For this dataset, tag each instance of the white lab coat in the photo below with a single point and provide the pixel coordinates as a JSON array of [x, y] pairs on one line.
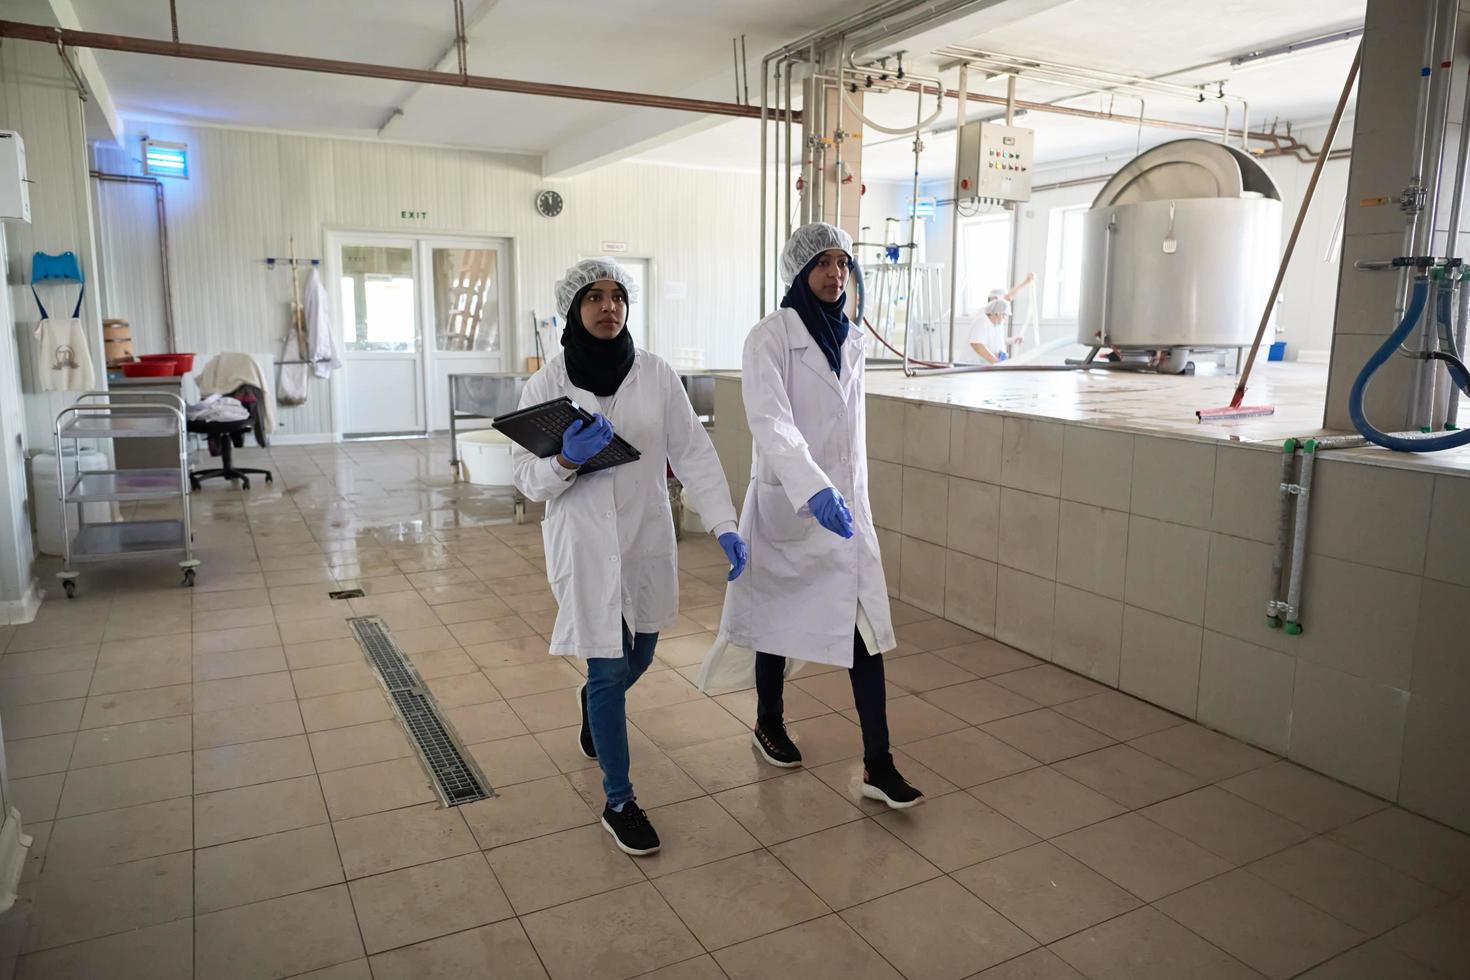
[[609, 535], [324, 355], [801, 593]]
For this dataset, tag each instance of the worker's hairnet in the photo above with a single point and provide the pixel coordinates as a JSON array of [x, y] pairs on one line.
[[806, 243], [585, 273], [998, 307]]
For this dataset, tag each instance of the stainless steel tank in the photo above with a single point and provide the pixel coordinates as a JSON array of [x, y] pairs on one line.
[[1179, 250]]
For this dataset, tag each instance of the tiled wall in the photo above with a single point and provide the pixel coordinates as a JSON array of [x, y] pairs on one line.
[[1144, 562]]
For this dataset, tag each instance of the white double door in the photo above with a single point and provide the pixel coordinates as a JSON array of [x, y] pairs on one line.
[[413, 311]]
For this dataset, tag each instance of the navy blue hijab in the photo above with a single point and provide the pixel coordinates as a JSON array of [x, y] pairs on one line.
[[826, 322]]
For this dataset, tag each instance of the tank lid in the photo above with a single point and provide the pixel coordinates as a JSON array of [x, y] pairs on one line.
[[1184, 169]]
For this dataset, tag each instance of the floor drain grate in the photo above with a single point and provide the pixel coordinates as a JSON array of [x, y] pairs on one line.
[[455, 776], [346, 594]]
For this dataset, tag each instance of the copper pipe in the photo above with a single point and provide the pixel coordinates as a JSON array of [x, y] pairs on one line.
[[168, 301], [358, 69]]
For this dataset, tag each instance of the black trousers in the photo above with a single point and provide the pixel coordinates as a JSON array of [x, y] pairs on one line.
[[868, 692]]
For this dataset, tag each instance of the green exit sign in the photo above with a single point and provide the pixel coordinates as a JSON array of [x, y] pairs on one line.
[[413, 215]]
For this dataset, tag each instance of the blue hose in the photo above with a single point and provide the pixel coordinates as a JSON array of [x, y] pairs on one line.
[[1380, 357]]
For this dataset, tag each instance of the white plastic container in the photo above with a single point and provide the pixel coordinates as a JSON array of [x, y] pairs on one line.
[[485, 456], [48, 503]]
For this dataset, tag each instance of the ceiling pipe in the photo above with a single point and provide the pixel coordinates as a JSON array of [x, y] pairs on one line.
[[358, 69]]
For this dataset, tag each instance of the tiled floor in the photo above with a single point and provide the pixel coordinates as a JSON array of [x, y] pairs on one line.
[[218, 788]]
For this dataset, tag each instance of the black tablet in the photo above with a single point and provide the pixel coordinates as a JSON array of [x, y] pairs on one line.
[[539, 429]]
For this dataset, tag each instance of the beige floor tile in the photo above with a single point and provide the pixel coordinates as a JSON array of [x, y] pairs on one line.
[[924, 672], [1201, 752], [242, 638], [969, 757], [40, 688], [121, 709], [937, 929], [343, 748], [54, 661], [229, 619], [955, 831], [1347, 885], [1143, 857], [1039, 964], [678, 726], [426, 639], [501, 950], [249, 763], [323, 653], [725, 763], [911, 719], [36, 796], [51, 718], [854, 863], [118, 836], [153, 649], [706, 617], [562, 867], [310, 610], [511, 760], [935, 634], [481, 630], [1046, 735], [265, 867], [212, 601], [1262, 926], [255, 811], [796, 705], [439, 595], [545, 712], [685, 651], [517, 652], [316, 682], [381, 842], [1440, 938], [239, 663], [777, 810], [827, 738], [1045, 802], [823, 949], [485, 721], [693, 833], [1422, 848], [977, 702], [1303, 797], [660, 688], [215, 582], [123, 784], [564, 745], [374, 788], [278, 937], [345, 710], [248, 723], [162, 952], [436, 664], [657, 780], [526, 810], [138, 740], [1048, 685], [1119, 715], [460, 690], [1046, 892], [1147, 945], [986, 658], [43, 636], [1224, 824], [831, 685], [535, 678], [1128, 776], [1374, 960], [38, 756], [739, 898], [846, 778], [472, 609], [241, 692], [99, 902], [426, 901], [580, 940]]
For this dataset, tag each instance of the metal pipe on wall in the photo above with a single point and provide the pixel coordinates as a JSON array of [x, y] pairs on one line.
[[954, 215], [162, 211]]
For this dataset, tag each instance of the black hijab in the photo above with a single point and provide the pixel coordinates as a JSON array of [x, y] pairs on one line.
[[826, 322], [593, 363]]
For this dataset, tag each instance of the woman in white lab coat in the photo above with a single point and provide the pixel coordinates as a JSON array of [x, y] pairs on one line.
[[609, 535], [815, 589]]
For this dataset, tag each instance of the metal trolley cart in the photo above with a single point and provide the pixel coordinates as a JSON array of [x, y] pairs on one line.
[[127, 419]]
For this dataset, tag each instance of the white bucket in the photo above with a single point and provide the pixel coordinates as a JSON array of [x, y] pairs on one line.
[[485, 456], [48, 504]]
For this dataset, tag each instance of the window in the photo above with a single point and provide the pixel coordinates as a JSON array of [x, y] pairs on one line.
[[378, 299], [985, 257], [1062, 284]]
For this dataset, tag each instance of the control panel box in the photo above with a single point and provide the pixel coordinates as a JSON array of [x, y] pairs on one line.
[[995, 163], [15, 196]]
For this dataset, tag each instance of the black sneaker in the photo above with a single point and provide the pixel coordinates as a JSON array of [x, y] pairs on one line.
[[588, 748], [631, 829], [775, 745], [882, 782]]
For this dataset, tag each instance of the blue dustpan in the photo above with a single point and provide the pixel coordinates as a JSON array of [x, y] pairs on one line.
[[56, 268]]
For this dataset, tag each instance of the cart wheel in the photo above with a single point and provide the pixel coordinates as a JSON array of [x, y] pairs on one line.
[[188, 578], [195, 484], [244, 483], [269, 478], [70, 586]]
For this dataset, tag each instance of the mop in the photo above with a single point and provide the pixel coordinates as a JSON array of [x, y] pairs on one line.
[[1236, 410]]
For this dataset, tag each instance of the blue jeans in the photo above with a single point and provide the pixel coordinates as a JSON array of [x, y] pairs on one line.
[[608, 680]]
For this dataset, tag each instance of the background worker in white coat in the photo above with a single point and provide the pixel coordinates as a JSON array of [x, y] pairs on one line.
[[609, 535], [815, 589]]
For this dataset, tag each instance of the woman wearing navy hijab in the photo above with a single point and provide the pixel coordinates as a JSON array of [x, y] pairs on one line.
[[814, 589]]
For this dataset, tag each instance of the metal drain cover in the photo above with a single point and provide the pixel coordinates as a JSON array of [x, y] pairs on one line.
[[346, 594], [454, 773]]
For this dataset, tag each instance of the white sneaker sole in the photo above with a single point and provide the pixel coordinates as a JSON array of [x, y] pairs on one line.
[[583, 714], [874, 793], [767, 756], [624, 847]]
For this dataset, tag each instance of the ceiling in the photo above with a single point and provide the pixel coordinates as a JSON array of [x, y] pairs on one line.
[[674, 47]]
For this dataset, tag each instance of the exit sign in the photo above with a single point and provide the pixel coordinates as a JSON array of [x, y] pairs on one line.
[[413, 215]]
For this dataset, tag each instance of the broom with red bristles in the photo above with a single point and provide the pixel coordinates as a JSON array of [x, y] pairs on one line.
[[1235, 410]]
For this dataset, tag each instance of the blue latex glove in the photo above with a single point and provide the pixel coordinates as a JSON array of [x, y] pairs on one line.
[[831, 512], [1002, 356], [736, 552], [583, 440]]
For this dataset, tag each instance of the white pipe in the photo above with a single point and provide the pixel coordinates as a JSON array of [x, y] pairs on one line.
[[954, 216], [915, 129]]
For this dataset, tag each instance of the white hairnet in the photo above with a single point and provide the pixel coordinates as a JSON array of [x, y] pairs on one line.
[[997, 307], [806, 243], [585, 273]]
